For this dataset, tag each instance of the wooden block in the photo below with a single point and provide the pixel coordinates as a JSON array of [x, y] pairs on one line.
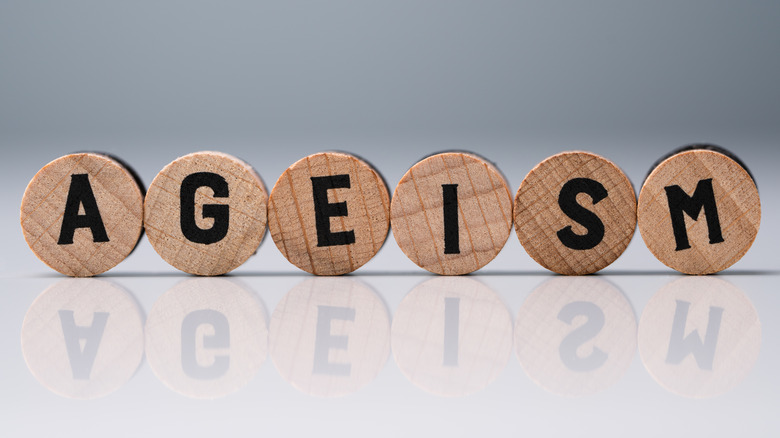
[[452, 213], [699, 210], [575, 213], [206, 337], [83, 338], [329, 213], [699, 337], [82, 214], [452, 336], [206, 212], [329, 337], [575, 336]]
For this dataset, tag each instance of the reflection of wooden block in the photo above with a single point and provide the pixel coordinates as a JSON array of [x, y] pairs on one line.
[[329, 213], [575, 336], [452, 213], [699, 210], [83, 338], [206, 337], [329, 337], [205, 213], [699, 337], [575, 213], [452, 336], [82, 214]]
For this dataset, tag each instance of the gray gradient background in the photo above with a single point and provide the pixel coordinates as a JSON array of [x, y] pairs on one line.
[[392, 81]]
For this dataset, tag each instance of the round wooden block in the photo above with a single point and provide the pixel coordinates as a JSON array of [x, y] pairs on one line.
[[329, 337], [82, 214], [699, 337], [205, 213], [575, 336], [329, 213], [575, 213], [452, 336], [699, 210], [83, 338], [206, 337], [452, 213]]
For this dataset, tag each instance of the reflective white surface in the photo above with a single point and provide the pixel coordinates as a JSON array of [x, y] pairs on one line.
[[386, 355]]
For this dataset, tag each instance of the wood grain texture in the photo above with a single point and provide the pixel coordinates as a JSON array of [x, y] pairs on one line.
[[292, 217], [738, 208], [699, 337], [246, 200], [575, 336], [206, 337], [452, 336], [484, 212], [539, 217], [119, 200], [83, 338], [329, 337]]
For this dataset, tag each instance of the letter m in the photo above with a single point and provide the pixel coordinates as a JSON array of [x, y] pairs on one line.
[[703, 199]]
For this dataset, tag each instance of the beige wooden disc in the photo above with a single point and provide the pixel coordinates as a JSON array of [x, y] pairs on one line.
[[329, 337], [83, 338], [206, 337], [539, 218], [119, 200], [699, 337], [452, 336], [738, 206], [292, 216], [484, 213], [246, 201], [575, 336]]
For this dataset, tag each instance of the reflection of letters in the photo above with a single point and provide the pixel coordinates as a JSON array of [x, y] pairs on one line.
[[586, 332], [451, 333], [219, 339], [325, 341], [681, 346], [81, 360]]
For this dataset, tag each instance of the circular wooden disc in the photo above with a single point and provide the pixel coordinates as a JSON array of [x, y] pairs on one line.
[[575, 336], [246, 199], [738, 208], [96, 180], [329, 337], [539, 216], [83, 338], [699, 337], [344, 240], [452, 336], [484, 213], [206, 337]]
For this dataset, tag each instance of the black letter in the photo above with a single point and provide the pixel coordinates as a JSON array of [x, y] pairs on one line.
[[567, 200], [80, 193], [449, 193], [703, 198], [220, 213], [323, 210]]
